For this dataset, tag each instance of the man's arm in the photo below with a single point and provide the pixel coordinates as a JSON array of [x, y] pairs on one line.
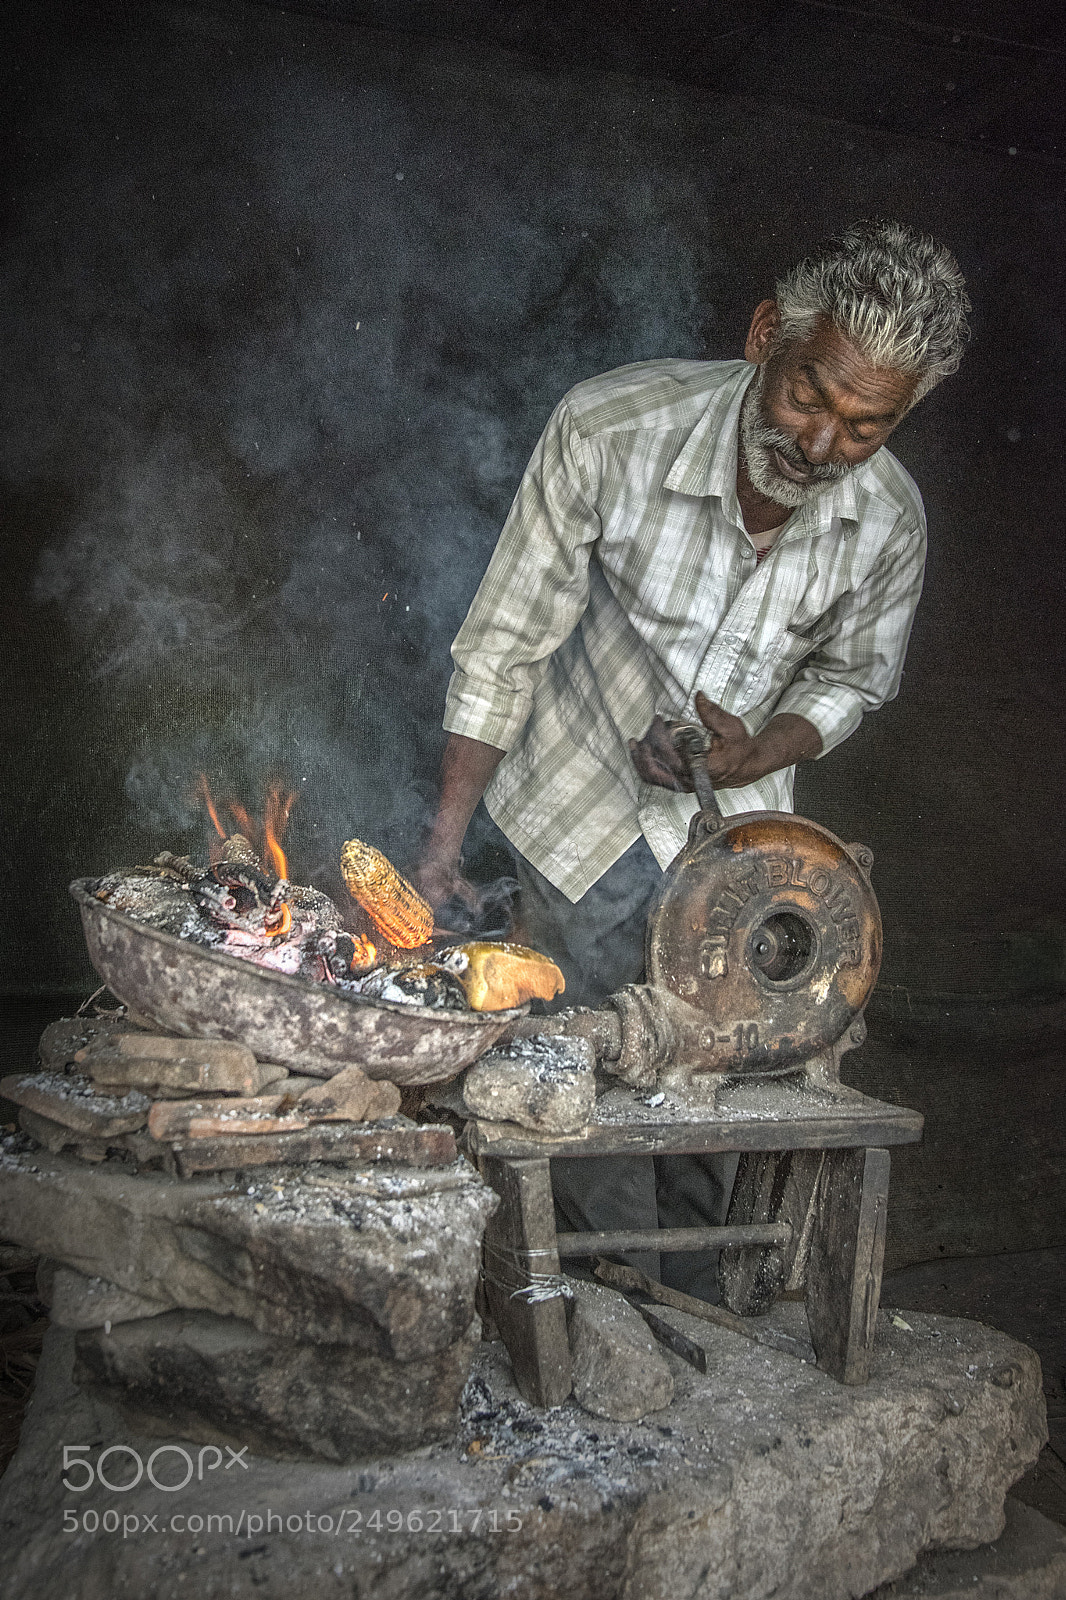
[[464, 776], [530, 600]]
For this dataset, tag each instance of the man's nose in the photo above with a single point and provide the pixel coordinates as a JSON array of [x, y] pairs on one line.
[[819, 443]]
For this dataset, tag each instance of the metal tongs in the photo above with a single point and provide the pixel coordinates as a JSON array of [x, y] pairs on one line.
[[693, 742]]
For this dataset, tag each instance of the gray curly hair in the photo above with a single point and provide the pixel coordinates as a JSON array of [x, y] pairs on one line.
[[897, 294]]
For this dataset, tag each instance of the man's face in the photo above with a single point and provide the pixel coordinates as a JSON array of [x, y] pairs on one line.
[[816, 409]]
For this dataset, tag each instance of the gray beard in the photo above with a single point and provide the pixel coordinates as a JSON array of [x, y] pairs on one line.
[[759, 439]]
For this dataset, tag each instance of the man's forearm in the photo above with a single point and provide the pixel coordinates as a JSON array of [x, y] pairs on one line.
[[466, 769], [785, 740]]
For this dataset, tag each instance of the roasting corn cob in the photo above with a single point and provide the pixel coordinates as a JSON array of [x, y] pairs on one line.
[[398, 910]]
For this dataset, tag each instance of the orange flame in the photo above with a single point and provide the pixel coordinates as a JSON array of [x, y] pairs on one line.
[[266, 839], [275, 821], [366, 954], [284, 923], [243, 820], [205, 795]]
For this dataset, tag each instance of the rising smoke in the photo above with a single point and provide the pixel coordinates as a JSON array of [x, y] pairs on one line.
[[288, 334]]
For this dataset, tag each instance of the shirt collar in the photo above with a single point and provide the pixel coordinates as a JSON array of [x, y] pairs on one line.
[[706, 465]]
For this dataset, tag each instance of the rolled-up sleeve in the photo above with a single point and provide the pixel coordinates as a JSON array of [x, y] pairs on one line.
[[858, 666], [533, 593]]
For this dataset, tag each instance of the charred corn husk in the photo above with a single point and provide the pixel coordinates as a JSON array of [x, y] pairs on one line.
[[497, 976], [398, 910]]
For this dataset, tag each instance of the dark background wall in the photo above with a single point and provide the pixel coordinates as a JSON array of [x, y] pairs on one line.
[[287, 298]]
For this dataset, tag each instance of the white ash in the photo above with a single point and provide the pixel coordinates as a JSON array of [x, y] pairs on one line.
[[323, 1193], [556, 1448], [550, 1057], [14, 1147], [80, 1090], [755, 1100]]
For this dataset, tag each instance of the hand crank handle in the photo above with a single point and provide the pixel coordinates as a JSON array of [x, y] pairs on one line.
[[692, 743]]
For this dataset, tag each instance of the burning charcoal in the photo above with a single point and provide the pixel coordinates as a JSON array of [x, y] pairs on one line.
[[314, 909], [158, 902], [168, 865], [238, 848], [350, 1096], [497, 976], [240, 896], [345, 953], [397, 908], [425, 984]]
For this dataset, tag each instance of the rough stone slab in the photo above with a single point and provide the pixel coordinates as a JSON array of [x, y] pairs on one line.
[[218, 1380], [765, 1477], [427, 1146], [383, 1260], [75, 1301], [71, 1099], [1026, 1562], [547, 1084], [212, 1119], [54, 1137], [61, 1040], [158, 1062], [350, 1096], [616, 1366]]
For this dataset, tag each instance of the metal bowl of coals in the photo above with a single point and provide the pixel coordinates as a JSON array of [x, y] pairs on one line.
[[313, 1028]]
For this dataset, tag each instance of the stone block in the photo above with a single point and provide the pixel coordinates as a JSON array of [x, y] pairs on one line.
[[160, 1064], [218, 1380], [61, 1040], [393, 1140], [1026, 1562], [545, 1083], [617, 1367], [76, 1301], [763, 1477], [382, 1259], [72, 1099], [350, 1096], [210, 1119]]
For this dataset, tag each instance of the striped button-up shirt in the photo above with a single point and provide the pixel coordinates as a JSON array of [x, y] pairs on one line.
[[624, 581]]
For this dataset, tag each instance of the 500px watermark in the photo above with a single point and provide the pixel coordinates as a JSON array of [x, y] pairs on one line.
[[161, 1469], [346, 1522]]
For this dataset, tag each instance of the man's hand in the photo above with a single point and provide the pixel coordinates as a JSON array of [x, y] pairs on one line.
[[465, 772], [441, 881], [735, 757], [658, 760]]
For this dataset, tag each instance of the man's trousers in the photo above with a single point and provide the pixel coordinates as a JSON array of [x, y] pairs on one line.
[[599, 945]]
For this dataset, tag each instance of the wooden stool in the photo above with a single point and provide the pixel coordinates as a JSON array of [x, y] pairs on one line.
[[809, 1211]]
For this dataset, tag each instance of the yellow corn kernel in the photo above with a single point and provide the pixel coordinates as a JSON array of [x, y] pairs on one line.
[[398, 910]]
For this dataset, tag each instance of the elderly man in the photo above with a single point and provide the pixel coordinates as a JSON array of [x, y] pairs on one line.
[[724, 539]]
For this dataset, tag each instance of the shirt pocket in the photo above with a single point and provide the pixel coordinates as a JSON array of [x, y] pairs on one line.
[[762, 673]]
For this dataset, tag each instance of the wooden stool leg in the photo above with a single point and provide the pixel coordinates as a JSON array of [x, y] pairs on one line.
[[847, 1255], [771, 1186], [519, 1248]]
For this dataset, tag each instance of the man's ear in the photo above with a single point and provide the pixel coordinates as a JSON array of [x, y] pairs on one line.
[[762, 335]]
